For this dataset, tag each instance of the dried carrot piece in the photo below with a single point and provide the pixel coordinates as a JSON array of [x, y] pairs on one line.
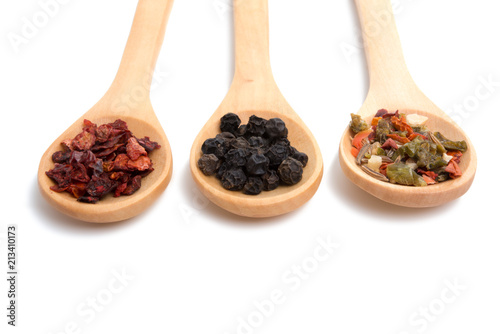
[[357, 141], [396, 137], [428, 179], [354, 151], [375, 120]]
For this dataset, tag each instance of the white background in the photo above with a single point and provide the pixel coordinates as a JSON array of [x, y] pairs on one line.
[[193, 268]]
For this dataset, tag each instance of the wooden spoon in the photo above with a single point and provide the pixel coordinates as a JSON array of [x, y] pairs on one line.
[[254, 91], [127, 99], [392, 88]]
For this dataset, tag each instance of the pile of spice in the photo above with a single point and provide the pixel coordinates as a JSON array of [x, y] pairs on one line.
[[100, 160], [252, 157], [400, 149]]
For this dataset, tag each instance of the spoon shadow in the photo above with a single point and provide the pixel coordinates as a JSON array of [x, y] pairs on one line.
[[190, 192], [359, 200]]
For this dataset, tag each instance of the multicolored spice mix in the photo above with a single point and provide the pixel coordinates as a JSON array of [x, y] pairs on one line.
[[252, 157], [100, 160], [400, 149]]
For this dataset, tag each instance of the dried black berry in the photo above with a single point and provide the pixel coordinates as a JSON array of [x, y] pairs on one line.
[[236, 157], [242, 130], [302, 157], [256, 150], [276, 128], [226, 136], [214, 146], [256, 126], [224, 167], [254, 186], [229, 123], [208, 164], [292, 151], [251, 157], [257, 164], [239, 142], [271, 180], [234, 179], [276, 154], [283, 142], [256, 141], [290, 171]]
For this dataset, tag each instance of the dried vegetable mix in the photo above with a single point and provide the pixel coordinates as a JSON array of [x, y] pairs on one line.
[[399, 148], [100, 160], [252, 157]]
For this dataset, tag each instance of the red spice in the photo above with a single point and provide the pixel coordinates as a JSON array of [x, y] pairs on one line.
[[389, 143], [428, 180], [415, 135], [398, 138], [354, 151], [401, 125], [453, 169], [428, 173], [383, 168], [357, 141], [102, 159]]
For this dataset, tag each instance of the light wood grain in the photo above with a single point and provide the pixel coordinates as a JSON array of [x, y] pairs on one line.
[[127, 99], [254, 91], [392, 88]]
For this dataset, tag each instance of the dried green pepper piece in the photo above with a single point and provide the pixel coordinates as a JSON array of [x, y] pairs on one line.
[[380, 151], [411, 148], [428, 156], [401, 173], [358, 124], [439, 146], [450, 144], [442, 174], [382, 130], [422, 129]]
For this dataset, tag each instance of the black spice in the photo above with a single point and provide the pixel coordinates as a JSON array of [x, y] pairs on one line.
[[252, 157]]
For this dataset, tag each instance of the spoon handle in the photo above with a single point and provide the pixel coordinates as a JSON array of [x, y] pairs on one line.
[[251, 26], [136, 69], [384, 54]]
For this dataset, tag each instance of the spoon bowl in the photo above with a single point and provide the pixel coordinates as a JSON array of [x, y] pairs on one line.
[[392, 88], [268, 203], [133, 77], [417, 197], [254, 92]]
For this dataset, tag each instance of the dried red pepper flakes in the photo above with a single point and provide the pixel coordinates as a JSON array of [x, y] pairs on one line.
[[100, 160], [398, 138], [429, 180], [428, 173], [401, 125], [453, 169], [415, 135]]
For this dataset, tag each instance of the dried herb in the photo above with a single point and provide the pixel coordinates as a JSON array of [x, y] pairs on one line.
[[101, 160], [357, 124], [410, 154], [252, 157]]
